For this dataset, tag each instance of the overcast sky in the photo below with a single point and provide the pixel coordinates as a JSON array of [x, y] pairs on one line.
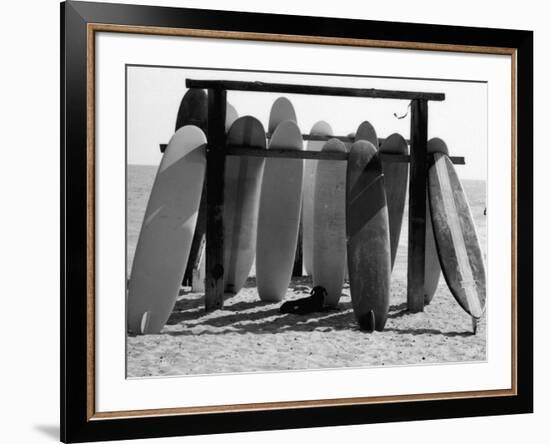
[[154, 95]]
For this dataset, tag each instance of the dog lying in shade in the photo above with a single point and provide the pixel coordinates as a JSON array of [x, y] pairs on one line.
[[310, 304]]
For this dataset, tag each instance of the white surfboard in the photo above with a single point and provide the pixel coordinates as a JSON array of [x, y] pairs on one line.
[[166, 233], [279, 215], [282, 110], [243, 178], [329, 224], [231, 115], [321, 128]]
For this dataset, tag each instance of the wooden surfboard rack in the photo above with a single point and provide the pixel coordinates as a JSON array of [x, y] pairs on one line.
[[217, 150], [236, 150]]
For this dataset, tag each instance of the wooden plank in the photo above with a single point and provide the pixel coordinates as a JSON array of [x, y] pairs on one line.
[[317, 155], [215, 175], [243, 151], [417, 205], [233, 85], [235, 150], [395, 158], [322, 138]]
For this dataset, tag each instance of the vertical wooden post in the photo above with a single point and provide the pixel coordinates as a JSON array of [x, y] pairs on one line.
[[417, 205], [215, 175]]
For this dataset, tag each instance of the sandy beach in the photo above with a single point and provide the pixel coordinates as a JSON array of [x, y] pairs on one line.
[[250, 335]]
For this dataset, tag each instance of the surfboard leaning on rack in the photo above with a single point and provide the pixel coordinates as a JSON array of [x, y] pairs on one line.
[[456, 238], [279, 215], [243, 178], [368, 238], [166, 233]]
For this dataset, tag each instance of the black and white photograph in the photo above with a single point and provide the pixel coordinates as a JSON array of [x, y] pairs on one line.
[[323, 233], [282, 222], [274, 222]]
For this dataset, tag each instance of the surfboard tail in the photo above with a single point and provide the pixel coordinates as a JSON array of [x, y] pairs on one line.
[[367, 321]]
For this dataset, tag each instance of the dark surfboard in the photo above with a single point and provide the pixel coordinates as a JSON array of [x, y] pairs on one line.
[[396, 176], [368, 237], [243, 179], [193, 110], [367, 132]]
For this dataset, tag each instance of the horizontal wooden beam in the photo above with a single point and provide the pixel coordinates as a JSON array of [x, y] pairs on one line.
[[313, 137], [237, 150], [319, 138], [234, 150], [286, 88]]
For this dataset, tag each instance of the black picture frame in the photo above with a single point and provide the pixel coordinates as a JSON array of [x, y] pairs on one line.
[[77, 422]]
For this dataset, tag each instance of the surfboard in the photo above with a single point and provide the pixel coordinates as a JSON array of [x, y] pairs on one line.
[[367, 132], [231, 115], [368, 237], [243, 178], [199, 270], [197, 262], [396, 177], [348, 147], [279, 215], [321, 128], [432, 269], [329, 224], [194, 111], [456, 239], [281, 110], [166, 233]]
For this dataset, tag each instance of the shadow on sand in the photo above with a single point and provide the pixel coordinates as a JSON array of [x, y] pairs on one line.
[[429, 331], [259, 317]]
